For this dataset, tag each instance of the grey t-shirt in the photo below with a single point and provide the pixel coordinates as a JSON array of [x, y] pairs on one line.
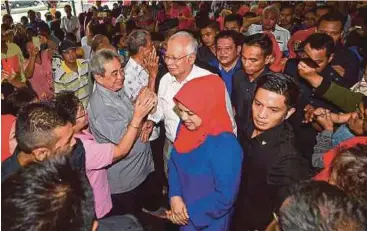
[[109, 115]]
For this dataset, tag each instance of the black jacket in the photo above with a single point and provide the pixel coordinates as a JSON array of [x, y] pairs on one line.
[[272, 164]]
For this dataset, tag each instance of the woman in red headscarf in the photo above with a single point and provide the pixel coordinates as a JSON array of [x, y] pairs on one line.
[[205, 166]]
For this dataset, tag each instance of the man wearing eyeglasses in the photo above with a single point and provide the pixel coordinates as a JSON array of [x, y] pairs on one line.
[[179, 58]]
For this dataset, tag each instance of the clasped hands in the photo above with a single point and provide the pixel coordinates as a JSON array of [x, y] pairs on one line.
[[178, 213]]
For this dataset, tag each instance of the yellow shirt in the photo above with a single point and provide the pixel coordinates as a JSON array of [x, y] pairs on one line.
[[13, 50]]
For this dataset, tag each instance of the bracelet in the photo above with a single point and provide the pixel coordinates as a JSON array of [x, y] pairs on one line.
[[133, 126]]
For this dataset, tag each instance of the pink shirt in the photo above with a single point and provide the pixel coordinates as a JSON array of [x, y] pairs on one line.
[[97, 157], [41, 80]]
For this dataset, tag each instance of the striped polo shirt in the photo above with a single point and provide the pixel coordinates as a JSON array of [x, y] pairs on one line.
[[77, 82]]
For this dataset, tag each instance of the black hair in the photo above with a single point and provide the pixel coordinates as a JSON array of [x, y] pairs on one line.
[[320, 41], [24, 18], [330, 9], [261, 40], [349, 171], [234, 17], [48, 17], [317, 205], [281, 84], [249, 14], [228, 34], [58, 14], [66, 100], [48, 196], [334, 16], [70, 37], [19, 98], [286, 6], [208, 24], [36, 123], [7, 16]]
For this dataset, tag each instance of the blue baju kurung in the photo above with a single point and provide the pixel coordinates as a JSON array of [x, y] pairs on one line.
[[207, 179]]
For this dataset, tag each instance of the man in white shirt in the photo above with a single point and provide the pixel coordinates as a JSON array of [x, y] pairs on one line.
[[180, 58], [142, 68], [70, 24], [269, 24]]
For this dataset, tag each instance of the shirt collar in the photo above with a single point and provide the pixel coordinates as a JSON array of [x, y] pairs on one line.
[[269, 137], [236, 66], [67, 69], [192, 75], [112, 94], [135, 65]]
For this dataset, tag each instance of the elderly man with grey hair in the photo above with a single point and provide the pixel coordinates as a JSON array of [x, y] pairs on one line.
[[110, 113], [179, 58], [270, 24]]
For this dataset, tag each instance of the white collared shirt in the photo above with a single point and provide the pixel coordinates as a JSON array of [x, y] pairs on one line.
[[168, 88], [281, 34], [136, 78], [70, 25]]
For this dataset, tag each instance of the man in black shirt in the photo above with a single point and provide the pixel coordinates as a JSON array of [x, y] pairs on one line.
[[256, 54], [272, 163], [320, 48], [41, 131], [55, 26], [345, 62], [208, 30]]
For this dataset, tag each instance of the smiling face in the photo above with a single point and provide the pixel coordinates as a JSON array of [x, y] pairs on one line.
[[190, 119], [113, 78], [177, 58], [269, 109], [227, 52]]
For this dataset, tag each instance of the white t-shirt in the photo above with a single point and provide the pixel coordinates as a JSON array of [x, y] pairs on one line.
[[70, 25], [281, 34]]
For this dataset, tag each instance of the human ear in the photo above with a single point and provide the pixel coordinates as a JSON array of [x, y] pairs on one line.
[[40, 154]]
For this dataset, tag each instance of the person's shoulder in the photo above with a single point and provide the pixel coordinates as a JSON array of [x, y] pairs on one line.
[[282, 30], [9, 166], [201, 71], [13, 46], [238, 76]]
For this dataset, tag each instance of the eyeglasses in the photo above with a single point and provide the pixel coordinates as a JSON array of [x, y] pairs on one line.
[[82, 115], [173, 59]]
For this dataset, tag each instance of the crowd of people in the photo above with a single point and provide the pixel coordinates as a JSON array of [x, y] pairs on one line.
[[186, 116]]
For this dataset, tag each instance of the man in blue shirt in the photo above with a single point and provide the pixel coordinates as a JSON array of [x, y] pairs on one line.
[[228, 51]]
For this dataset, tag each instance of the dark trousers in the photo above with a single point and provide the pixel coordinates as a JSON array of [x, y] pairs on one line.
[[145, 196]]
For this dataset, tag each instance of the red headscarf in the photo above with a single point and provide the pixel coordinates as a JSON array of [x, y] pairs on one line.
[[205, 97], [277, 65]]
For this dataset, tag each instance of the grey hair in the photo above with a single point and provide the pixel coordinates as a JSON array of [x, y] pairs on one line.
[[137, 39], [271, 8], [100, 59], [193, 44]]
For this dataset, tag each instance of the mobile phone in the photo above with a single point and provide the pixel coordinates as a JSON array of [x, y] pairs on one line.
[[309, 62], [36, 42]]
